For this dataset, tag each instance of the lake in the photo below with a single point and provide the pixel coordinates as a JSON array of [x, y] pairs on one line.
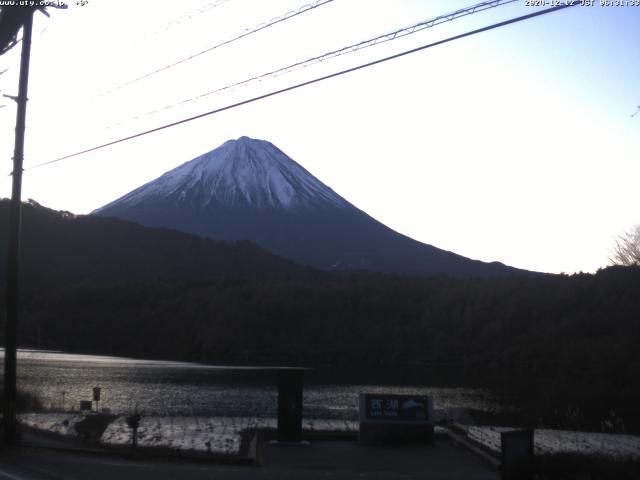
[[61, 380], [205, 407]]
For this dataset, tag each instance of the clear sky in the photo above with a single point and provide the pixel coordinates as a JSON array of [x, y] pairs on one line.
[[514, 145]]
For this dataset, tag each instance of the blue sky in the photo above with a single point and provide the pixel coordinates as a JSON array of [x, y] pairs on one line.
[[514, 145]]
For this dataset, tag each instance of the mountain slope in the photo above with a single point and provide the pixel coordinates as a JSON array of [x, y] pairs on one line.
[[248, 189], [59, 248]]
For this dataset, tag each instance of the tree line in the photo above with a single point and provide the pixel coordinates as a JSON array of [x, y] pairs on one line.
[[549, 343]]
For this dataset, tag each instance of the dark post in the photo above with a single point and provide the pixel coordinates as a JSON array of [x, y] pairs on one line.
[[15, 214], [133, 422], [96, 397], [290, 405], [517, 454], [134, 443]]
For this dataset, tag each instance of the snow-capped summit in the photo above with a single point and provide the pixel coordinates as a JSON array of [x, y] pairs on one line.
[[242, 172], [248, 189]]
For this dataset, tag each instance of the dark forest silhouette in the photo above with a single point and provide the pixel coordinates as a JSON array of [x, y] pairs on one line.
[[554, 344]]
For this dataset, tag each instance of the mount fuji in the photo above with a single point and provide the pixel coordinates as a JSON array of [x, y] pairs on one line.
[[248, 189]]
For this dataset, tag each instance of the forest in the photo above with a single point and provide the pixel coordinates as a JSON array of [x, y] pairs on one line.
[[561, 348]]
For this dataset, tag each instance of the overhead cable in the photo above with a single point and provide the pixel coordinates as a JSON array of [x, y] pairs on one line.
[[311, 82], [399, 33], [189, 16], [244, 33]]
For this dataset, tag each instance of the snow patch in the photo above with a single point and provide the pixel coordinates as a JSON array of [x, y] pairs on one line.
[[238, 173], [218, 435], [222, 435], [565, 441], [60, 423]]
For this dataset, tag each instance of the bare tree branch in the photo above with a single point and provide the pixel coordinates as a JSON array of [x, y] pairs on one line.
[[627, 249]]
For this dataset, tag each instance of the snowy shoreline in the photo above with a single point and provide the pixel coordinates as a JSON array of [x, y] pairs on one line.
[[215, 435], [547, 441], [224, 435]]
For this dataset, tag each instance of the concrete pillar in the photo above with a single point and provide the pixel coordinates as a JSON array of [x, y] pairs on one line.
[[517, 454], [290, 405]]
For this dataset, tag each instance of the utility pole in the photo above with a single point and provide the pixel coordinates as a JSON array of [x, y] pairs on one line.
[[15, 214]]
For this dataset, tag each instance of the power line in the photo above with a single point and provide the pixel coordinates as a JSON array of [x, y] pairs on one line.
[[399, 33], [310, 82], [244, 33], [194, 13], [188, 16]]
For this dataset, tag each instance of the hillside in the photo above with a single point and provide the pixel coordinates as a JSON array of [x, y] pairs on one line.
[[59, 248]]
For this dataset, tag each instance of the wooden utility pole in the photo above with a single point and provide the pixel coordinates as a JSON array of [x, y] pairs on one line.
[[15, 217]]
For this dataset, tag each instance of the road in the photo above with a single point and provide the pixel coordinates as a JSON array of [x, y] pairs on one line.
[[335, 460]]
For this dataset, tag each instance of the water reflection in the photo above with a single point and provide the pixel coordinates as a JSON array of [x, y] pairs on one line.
[[61, 380]]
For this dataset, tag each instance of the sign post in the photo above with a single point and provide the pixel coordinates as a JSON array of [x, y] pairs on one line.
[[96, 396], [386, 418], [133, 422]]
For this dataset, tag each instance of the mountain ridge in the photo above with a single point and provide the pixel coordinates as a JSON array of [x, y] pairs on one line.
[[248, 189], [83, 249]]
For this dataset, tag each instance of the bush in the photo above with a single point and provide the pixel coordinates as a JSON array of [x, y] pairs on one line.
[[25, 402]]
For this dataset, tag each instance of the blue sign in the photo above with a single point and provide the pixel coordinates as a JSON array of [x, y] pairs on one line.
[[397, 407]]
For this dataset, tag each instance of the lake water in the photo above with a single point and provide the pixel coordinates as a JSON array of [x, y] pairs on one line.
[[62, 380]]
